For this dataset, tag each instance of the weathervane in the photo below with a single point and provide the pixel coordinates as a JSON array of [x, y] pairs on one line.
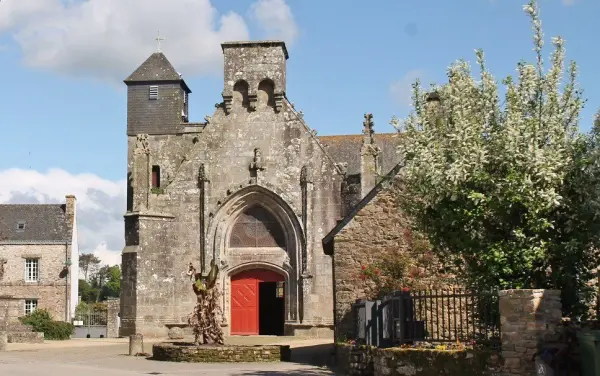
[[158, 39]]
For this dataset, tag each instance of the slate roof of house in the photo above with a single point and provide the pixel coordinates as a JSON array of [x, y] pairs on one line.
[[44, 223], [346, 148], [383, 184], [156, 68]]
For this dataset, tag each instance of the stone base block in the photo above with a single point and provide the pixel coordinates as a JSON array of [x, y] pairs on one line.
[[309, 331], [188, 352], [25, 337]]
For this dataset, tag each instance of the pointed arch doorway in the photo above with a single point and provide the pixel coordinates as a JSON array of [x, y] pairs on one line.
[[257, 303]]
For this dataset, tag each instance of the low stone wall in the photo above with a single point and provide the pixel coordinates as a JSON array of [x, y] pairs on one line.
[[425, 362], [187, 352], [354, 360], [369, 361]]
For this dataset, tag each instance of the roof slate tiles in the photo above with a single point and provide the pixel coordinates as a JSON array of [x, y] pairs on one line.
[[43, 223]]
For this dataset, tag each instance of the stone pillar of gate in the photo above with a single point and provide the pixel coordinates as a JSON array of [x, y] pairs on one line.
[[112, 317], [527, 318]]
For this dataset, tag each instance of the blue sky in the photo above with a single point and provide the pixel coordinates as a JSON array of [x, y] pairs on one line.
[[62, 63]]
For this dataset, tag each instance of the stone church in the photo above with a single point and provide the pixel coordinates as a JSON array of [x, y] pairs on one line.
[[252, 187]]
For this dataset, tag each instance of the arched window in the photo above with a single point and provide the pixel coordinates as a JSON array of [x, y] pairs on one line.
[[240, 93], [256, 228]]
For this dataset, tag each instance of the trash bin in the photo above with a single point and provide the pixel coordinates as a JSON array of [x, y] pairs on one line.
[[545, 362], [589, 345]]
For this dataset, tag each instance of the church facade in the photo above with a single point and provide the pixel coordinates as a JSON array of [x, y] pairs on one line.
[[252, 188]]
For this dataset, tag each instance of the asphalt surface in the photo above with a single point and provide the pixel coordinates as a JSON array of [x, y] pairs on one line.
[[110, 358]]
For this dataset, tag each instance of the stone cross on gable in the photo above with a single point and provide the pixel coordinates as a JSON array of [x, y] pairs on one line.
[[158, 39]]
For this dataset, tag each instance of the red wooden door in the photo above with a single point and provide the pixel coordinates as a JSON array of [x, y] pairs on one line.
[[244, 299], [244, 306]]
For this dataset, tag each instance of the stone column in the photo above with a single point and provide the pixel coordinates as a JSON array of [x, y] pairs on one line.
[[112, 318], [527, 318]]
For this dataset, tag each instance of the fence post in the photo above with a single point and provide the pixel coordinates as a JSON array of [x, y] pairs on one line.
[[527, 317]]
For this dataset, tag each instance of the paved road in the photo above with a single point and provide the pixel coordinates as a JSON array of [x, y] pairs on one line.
[[102, 359]]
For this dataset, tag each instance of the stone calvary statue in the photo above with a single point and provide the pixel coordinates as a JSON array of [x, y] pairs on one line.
[[204, 318]]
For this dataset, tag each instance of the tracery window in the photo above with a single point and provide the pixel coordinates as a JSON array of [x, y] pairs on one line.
[[256, 228]]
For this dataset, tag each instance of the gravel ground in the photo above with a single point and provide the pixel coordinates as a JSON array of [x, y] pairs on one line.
[[108, 357]]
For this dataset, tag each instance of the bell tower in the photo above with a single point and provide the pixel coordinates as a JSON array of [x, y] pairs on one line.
[[252, 69], [157, 98]]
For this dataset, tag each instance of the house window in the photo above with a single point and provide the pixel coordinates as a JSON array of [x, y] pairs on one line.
[[153, 94], [32, 270], [20, 226], [30, 306], [155, 176]]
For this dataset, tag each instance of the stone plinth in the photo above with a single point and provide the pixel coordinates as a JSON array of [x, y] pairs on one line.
[[528, 318], [136, 344], [188, 352]]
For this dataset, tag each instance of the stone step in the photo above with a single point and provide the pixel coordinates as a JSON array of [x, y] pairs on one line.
[[25, 337], [18, 328]]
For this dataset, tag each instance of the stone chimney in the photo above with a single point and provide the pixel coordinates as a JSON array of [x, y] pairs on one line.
[[70, 210], [369, 158]]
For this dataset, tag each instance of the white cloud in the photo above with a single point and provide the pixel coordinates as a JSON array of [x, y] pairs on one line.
[[401, 90], [100, 205], [275, 19], [108, 39]]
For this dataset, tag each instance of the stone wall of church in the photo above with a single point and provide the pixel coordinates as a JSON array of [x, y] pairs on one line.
[[163, 241]]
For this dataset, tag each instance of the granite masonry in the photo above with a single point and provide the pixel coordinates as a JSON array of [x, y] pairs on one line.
[[38, 243], [252, 187]]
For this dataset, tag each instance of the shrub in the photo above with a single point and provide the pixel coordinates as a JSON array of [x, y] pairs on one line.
[[41, 321]]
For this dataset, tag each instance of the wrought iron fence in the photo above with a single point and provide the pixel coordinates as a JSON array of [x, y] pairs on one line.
[[91, 317], [436, 316]]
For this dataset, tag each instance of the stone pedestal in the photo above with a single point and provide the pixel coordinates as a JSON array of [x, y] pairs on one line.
[[136, 344], [528, 318]]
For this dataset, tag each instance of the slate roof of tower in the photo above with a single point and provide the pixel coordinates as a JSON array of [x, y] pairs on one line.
[[44, 223], [156, 68], [346, 148]]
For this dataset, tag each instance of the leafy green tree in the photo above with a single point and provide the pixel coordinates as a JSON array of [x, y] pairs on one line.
[[495, 185], [89, 264], [87, 292], [112, 282]]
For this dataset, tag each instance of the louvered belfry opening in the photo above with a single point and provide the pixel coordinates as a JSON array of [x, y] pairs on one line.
[[256, 227]]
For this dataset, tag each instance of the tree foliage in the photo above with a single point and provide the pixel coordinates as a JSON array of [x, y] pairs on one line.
[[89, 264], [104, 283], [500, 187]]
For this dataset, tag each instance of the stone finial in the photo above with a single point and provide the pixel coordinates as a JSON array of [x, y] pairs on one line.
[[141, 144], [305, 175], [368, 125], [202, 174]]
